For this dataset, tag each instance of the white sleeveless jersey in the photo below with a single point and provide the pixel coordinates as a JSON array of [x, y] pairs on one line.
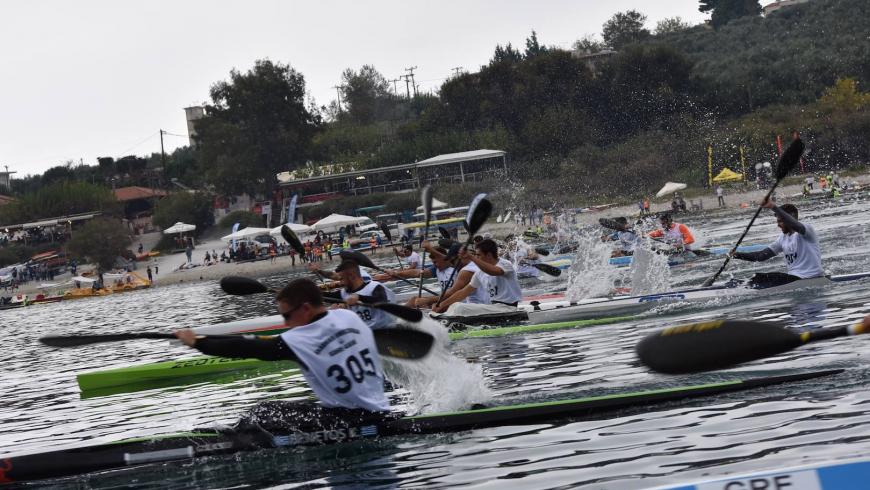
[[481, 294], [372, 317], [802, 255], [413, 261], [503, 288], [340, 361], [445, 277]]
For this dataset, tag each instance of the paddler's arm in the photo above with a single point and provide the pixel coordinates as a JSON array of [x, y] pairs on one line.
[[241, 346], [492, 270], [759, 256], [454, 298]]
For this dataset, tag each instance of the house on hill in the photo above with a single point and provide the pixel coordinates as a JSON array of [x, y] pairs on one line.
[[139, 205]]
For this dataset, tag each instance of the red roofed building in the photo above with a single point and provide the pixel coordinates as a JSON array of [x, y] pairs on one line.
[[139, 205]]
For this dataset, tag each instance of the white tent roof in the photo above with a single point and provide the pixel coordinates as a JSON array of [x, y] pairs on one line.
[[179, 228], [436, 204], [335, 221], [246, 233], [462, 156], [670, 188], [83, 279], [296, 227]]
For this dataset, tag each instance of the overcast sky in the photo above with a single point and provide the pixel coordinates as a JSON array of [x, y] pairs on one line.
[[86, 78]]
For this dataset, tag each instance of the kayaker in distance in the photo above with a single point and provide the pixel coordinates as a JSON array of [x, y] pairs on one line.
[[677, 235], [335, 350], [467, 270], [497, 274], [353, 286], [798, 243], [412, 258], [440, 269], [627, 239]]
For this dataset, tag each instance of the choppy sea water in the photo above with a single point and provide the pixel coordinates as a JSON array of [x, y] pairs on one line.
[[787, 425]]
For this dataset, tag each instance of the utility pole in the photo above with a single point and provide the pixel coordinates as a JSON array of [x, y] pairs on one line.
[[457, 70], [162, 154], [395, 92], [411, 74], [407, 86], [338, 92]]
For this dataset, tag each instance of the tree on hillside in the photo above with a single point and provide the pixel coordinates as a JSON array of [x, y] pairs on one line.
[[671, 25], [589, 44], [60, 199], [724, 11], [624, 28], [533, 48], [366, 94], [505, 54], [259, 124], [100, 241]]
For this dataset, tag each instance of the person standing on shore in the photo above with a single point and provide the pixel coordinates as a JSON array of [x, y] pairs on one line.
[[720, 195], [150, 277]]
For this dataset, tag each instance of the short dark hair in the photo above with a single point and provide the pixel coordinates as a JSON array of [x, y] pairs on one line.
[[621, 220], [478, 238], [487, 246], [409, 247], [790, 209], [300, 291], [347, 264]]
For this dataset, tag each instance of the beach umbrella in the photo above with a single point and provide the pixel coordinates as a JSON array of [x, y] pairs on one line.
[[179, 228], [436, 204], [670, 188]]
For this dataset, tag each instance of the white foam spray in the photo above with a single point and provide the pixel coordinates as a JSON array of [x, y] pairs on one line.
[[440, 382], [591, 274], [650, 272]]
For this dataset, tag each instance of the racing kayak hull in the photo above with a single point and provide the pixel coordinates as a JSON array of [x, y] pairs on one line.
[[206, 442]]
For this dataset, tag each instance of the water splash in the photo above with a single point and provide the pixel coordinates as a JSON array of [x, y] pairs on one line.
[[591, 274], [440, 382], [650, 272]]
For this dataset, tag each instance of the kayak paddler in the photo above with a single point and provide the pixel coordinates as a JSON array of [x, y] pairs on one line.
[[496, 274], [798, 243], [439, 269], [336, 353], [626, 238], [354, 286], [677, 235]]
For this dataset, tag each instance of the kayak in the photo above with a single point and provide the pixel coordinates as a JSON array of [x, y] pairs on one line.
[[841, 475], [146, 376], [687, 257], [205, 442], [554, 311]]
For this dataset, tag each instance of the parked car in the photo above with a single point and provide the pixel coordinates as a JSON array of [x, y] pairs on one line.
[[366, 237]]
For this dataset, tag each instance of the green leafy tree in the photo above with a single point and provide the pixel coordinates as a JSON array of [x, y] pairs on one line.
[[195, 208], [506, 54], [624, 28], [724, 11], [245, 219], [366, 94], [671, 25], [533, 48], [60, 199], [258, 124], [589, 44], [100, 241]]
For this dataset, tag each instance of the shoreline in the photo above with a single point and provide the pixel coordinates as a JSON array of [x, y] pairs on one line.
[[169, 272]]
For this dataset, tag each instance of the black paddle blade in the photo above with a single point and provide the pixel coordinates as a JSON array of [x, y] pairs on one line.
[[542, 251], [426, 198], [358, 257], [386, 230], [403, 312], [78, 340], [403, 343], [444, 233], [292, 239], [446, 243], [713, 345], [453, 251], [242, 286], [479, 215], [548, 269], [790, 158]]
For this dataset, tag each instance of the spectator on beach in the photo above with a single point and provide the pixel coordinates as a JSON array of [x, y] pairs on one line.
[[720, 195]]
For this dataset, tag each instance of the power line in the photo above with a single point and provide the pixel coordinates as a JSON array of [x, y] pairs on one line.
[[138, 144]]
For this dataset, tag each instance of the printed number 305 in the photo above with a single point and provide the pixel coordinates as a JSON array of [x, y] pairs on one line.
[[355, 368]]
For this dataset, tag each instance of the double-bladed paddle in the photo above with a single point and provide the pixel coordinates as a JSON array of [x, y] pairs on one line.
[[243, 286], [361, 259], [720, 344], [426, 197], [789, 159], [478, 213], [444, 233], [548, 269], [402, 343]]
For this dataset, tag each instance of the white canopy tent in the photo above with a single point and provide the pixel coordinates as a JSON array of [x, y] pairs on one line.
[[297, 228], [670, 188], [249, 232], [436, 204], [335, 221], [179, 228]]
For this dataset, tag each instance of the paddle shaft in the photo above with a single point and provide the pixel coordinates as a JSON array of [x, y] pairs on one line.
[[427, 205]]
